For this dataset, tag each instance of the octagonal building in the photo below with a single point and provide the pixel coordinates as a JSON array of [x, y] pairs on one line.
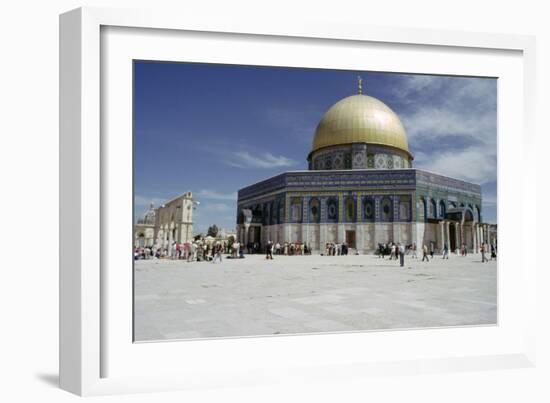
[[361, 189]]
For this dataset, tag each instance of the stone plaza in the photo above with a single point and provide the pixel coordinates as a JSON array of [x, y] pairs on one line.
[[253, 296]]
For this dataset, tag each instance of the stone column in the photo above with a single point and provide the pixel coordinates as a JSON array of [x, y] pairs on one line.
[[246, 228], [462, 240], [170, 240], [474, 238], [441, 236], [457, 236], [479, 235], [448, 234]]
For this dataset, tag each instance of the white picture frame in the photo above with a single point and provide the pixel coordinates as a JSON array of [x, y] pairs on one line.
[[91, 361]]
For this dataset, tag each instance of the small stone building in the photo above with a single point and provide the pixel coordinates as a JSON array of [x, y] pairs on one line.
[[169, 223]]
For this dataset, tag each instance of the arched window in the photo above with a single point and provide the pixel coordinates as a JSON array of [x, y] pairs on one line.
[[368, 209], [328, 162], [433, 209], [404, 210], [442, 209], [280, 211], [387, 209], [296, 209], [332, 210], [347, 161], [350, 209], [477, 212], [314, 210], [272, 213], [421, 210]]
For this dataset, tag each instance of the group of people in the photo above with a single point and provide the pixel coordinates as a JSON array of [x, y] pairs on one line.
[[287, 249], [395, 251], [191, 251], [198, 251], [336, 249]]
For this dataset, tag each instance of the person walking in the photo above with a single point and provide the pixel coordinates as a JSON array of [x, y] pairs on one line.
[[269, 250], [445, 251], [414, 255], [425, 253], [218, 253], [401, 249], [432, 247], [482, 249], [493, 252]]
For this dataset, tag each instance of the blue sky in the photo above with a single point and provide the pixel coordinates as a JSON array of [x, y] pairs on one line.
[[213, 129]]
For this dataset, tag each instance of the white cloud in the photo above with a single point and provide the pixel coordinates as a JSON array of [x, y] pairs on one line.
[[474, 164], [439, 106], [438, 122], [243, 159], [451, 122]]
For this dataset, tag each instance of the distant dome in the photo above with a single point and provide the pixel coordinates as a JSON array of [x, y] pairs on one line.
[[149, 217], [360, 119]]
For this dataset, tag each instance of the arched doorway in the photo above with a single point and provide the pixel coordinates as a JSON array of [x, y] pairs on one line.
[[452, 236], [468, 229]]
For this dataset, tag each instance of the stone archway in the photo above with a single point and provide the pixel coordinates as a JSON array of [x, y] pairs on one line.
[[468, 228]]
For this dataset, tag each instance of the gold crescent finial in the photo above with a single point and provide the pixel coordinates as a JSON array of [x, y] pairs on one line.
[[359, 85]]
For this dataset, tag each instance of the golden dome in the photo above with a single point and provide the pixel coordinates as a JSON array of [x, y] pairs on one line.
[[360, 119]]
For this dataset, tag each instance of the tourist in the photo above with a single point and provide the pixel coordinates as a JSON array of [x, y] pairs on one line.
[[483, 257], [218, 253], [401, 255], [414, 255], [425, 253], [192, 252], [432, 248], [393, 251], [278, 248], [269, 250], [445, 251], [493, 252]]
